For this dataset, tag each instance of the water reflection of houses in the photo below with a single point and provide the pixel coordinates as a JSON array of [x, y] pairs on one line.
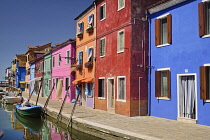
[[15, 124]]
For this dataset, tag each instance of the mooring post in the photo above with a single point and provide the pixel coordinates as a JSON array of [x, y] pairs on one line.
[[47, 101], [72, 112], [38, 94], [62, 104]]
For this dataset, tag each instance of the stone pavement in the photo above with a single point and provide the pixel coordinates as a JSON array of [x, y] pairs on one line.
[[141, 127]]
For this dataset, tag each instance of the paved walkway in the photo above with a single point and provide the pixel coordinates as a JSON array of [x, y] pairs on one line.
[[141, 127]]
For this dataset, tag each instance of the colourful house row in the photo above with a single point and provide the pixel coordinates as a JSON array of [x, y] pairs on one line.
[[133, 58]]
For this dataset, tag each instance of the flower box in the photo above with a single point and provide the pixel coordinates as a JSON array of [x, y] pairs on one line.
[[80, 35], [89, 29], [88, 64], [78, 67]]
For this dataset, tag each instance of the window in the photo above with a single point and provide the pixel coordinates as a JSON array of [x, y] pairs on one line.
[[49, 84], [67, 57], [162, 83], [91, 20], [121, 88], [45, 65], [53, 61], [120, 43], [163, 30], [59, 60], [204, 18], [80, 27], [80, 58], [90, 55], [121, 4], [102, 47], [88, 89], [101, 87], [103, 12], [67, 83], [205, 82]]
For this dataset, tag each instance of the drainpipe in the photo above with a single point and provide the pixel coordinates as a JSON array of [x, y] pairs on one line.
[[149, 65], [94, 53], [139, 94]]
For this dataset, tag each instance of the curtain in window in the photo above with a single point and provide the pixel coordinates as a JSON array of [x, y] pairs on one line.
[[102, 47], [90, 20], [121, 3], [121, 88], [90, 54], [80, 27], [121, 41], [187, 97], [80, 57]]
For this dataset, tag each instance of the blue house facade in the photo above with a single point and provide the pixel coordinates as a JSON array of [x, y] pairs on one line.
[[180, 61], [20, 75], [32, 78]]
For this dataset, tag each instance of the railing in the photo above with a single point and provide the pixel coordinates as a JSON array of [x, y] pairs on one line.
[[4, 84]]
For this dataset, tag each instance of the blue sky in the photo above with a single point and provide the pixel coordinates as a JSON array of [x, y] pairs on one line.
[[26, 23]]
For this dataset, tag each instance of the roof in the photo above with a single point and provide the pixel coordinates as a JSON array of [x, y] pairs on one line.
[[20, 54], [37, 47], [69, 41], [163, 4], [85, 11]]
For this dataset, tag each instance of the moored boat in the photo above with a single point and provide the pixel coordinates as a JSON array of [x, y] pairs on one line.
[[29, 110], [12, 99], [34, 124]]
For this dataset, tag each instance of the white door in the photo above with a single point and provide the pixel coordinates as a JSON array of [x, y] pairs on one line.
[[110, 94], [187, 97]]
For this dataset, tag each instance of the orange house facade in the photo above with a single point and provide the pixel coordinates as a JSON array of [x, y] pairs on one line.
[[85, 60]]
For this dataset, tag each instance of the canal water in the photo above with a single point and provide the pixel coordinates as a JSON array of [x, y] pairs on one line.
[[16, 127]]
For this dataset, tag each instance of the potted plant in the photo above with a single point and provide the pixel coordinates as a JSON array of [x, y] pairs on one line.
[[80, 35], [78, 67], [88, 64], [89, 29]]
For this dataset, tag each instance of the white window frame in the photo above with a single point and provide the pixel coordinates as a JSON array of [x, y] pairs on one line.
[[118, 41], [104, 47], [104, 4], [78, 32], [120, 100], [92, 14], [163, 98], [67, 57], [102, 98], [120, 8], [162, 17]]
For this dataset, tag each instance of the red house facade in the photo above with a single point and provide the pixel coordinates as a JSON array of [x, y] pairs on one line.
[[122, 57]]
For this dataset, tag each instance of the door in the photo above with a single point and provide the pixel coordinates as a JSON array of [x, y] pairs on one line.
[[83, 95], [187, 97], [111, 100]]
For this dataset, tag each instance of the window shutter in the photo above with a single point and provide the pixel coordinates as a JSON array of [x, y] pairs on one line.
[[169, 28], [203, 82], [168, 83], [202, 18], [157, 32], [157, 83]]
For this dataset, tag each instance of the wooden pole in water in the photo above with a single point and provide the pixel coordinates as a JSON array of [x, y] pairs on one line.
[[39, 93], [62, 104]]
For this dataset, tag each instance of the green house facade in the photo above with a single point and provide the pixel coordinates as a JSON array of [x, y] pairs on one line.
[[47, 74]]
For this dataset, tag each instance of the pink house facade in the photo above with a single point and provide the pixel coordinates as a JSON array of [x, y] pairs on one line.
[[62, 56]]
